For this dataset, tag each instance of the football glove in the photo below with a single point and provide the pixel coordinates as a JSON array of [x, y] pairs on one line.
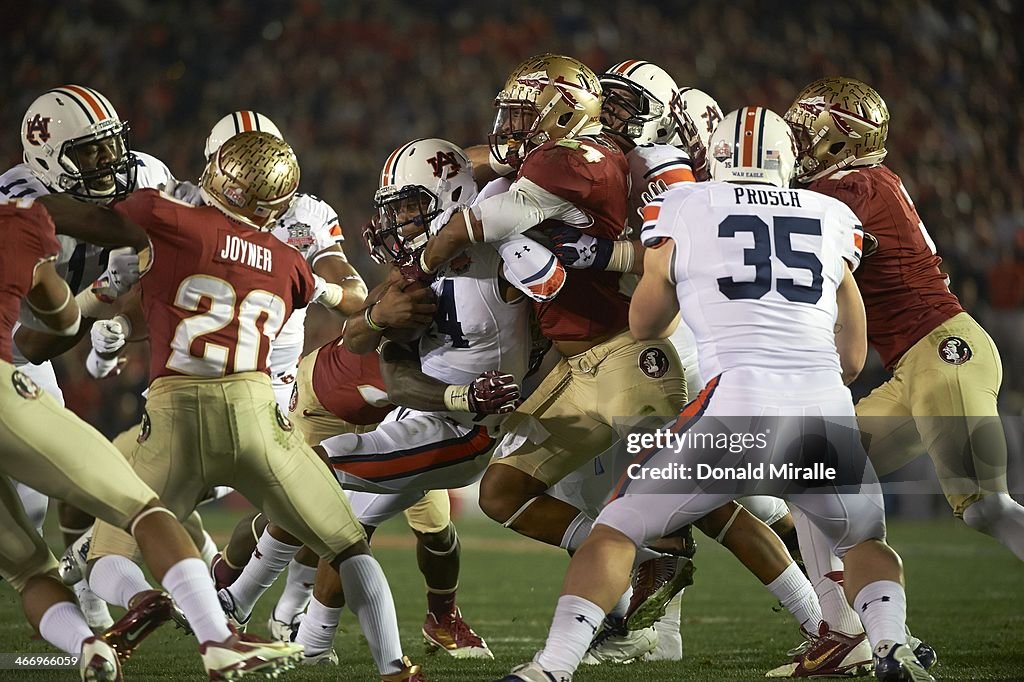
[[578, 250]]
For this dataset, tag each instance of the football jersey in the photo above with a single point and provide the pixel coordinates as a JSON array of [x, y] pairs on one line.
[[590, 173], [310, 225], [756, 270], [350, 386], [27, 232], [906, 296], [474, 329], [78, 262], [216, 292]]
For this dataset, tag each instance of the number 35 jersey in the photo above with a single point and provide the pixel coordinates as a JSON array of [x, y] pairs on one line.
[[216, 292], [756, 269]]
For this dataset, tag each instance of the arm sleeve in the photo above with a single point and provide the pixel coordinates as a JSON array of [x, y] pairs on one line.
[[531, 267], [523, 206]]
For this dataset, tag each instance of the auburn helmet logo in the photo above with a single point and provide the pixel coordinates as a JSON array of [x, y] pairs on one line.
[[443, 160], [37, 131]]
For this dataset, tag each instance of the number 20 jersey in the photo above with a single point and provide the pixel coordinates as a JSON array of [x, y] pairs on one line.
[[756, 269], [216, 292]]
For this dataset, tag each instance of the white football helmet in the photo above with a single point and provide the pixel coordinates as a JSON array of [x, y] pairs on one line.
[[74, 142], [419, 181], [642, 91], [238, 122], [754, 145], [700, 108]]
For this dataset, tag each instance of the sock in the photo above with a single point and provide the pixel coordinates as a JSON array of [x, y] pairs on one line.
[[576, 622], [645, 554], [268, 561], [670, 640], [368, 594], [576, 533], [317, 629], [95, 610], [298, 588], [116, 579], [64, 627], [796, 594], [621, 606], [441, 603], [1001, 517], [208, 550], [191, 587], [882, 606], [825, 571]]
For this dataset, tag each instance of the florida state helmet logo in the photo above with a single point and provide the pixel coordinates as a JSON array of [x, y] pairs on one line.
[[37, 131]]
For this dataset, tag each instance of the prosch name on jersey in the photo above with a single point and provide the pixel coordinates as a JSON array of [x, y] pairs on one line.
[[767, 196]]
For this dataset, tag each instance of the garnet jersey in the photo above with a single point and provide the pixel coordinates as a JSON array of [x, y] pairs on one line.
[[906, 296], [756, 270], [26, 230], [350, 386], [217, 292], [592, 174]]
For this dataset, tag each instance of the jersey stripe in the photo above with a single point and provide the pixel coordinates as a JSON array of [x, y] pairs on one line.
[[104, 102], [89, 100]]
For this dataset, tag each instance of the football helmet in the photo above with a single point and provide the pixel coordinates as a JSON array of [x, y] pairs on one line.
[[74, 142], [838, 122], [636, 101], [696, 107], [420, 180], [754, 145], [547, 97], [238, 122], [251, 178]]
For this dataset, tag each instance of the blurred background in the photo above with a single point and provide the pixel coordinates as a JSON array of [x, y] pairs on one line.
[[347, 82]]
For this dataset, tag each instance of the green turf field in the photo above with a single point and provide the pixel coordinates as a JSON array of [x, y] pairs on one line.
[[966, 598]]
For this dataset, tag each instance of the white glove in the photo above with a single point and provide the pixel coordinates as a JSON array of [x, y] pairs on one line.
[[183, 190], [653, 189], [121, 274], [100, 368], [441, 220], [327, 294], [108, 336]]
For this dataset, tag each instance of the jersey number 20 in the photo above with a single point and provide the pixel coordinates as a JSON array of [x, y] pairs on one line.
[[760, 257]]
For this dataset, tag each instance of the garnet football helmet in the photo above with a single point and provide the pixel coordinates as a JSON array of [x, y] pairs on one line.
[[252, 178], [74, 142], [636, 101], [238, 122], [754, 145], [420, 180], [547, 97], [838, 123]]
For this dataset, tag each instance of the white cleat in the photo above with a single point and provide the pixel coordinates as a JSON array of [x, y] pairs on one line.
[[227, 604], [532, 672], [98, 662], [281, 631], [243, 654], [95, 610], [615, 644], [329, 657]]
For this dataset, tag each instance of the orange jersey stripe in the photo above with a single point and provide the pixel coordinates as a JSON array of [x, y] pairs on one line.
[[858, 240], [675, 176], [405, 465], [90, 100], [651, 212]]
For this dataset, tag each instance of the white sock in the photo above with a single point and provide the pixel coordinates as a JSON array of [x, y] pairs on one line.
[[95, 610], [64, 627], [882, 606], [1001, 517], [298, 588], [208, 550], [268, 561], [575, 623], [368, 594], [621, 606], [576, 533], [795, 592], [825, 571], [318, 628], [190, 585], [116, 579]]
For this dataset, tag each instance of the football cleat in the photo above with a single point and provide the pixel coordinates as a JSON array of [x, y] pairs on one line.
[[670, 639], [408, 673], [329, 657], [925, 654], [242, 654], [613, 643], [281, 631], [829, 654], [150, 610], [532, 672], [99, 662], [655, 583], [95, 610], [453, 636], [227, 603], [223, 574], [900, 665]]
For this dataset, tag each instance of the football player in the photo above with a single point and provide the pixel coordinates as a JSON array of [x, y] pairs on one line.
[[217, 290], [725, 294], [94, 477]]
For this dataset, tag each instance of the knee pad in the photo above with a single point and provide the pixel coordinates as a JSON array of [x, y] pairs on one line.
[[768, 509]]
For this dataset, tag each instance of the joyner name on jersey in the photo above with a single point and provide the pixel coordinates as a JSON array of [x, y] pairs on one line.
[[251, 255]]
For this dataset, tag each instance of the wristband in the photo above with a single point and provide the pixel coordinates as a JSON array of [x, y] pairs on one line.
[[332, 295], [423, 263], [99, 367], [369, 321], [623, 257], [468, 218], [456, 397]]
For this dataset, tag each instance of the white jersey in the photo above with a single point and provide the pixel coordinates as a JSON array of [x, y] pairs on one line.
[[756, 270], [310, 225], [475, 329], [78, 262]]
